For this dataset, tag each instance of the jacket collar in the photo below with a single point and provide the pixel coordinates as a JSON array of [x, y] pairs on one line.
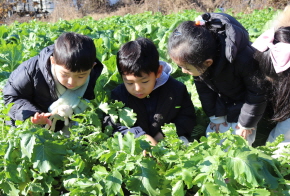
[[167, 69], [45, 67]]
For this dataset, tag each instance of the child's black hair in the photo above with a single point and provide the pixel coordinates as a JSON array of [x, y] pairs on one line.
[[192, 44], [280, 96], [75, 51], [137, 57]]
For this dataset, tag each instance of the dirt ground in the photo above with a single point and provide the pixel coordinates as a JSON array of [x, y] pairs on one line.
[[100, 9]]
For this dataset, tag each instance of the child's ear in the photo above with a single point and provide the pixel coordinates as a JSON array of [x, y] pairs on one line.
[[94, 65], [159, 72], [208, 62], [52, 61]]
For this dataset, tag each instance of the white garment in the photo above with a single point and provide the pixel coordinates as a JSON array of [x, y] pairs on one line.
[[66, 97], [71, 97], [250, 138], [281, 149], [281, 128], [184, 140]]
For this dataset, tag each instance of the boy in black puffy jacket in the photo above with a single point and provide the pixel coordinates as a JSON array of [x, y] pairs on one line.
[[60, 74]]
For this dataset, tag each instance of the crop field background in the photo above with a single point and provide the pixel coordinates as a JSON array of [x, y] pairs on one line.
[[34, 161]]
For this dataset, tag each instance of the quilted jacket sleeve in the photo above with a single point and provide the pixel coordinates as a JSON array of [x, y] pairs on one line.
[[19, 90]]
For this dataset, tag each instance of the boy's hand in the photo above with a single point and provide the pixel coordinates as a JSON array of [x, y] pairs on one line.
[[151, 140], [41, 119], [158, 136]]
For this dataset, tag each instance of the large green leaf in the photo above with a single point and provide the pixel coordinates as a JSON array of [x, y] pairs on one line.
[[113, 183], [27, 144], [252, 171], [48, 155], [11, 54], [145, 178]]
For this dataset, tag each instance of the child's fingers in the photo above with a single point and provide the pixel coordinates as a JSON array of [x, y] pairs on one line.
[[32, 119], [36, 115], [48, 121], [47, 115], [42, 115], [217, 128], [211, 125], [248, 132], [214, 127], [243, 134], [144, 153]]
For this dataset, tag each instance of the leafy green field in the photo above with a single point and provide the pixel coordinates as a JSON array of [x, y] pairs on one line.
[[34, 161]]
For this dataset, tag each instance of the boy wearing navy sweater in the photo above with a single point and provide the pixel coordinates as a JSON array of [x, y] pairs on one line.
[[151, 92]]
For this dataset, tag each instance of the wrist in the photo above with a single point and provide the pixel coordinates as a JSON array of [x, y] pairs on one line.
[[217, 119], [242, 127]]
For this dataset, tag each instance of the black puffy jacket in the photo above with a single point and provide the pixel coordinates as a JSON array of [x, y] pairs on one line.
[[31, 86], [229, 87]]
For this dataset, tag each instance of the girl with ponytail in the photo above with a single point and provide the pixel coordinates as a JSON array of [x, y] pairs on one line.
[[215, 49]]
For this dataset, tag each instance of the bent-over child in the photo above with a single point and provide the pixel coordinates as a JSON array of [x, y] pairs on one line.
[[151, 92], [273, 55], [216, 50], [61, 74]]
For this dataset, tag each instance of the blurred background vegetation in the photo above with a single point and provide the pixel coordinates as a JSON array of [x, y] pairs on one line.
[[53, 10]]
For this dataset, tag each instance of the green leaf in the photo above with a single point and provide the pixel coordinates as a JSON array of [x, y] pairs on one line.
[[187, 175], [27, 144], [252, 171], [108, 157], [78, 162], [93, 119], [105, 107], [107, 43], [250, 192], [177, 189], [100, 171], [127, 143], [113, 183], [11, 54], [35, 188], [111, 110], [48, 155], [127, 117], [145, 178], [209, 189]]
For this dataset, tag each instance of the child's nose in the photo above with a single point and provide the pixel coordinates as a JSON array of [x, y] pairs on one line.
[[137, 87], [71, 81]]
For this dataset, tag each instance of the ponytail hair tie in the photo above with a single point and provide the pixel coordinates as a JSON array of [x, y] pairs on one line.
[[199, 21], [176, 33]]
